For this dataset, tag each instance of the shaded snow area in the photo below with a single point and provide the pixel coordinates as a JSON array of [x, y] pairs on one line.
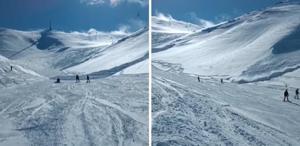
[[187, 112], [257, 57], [111, 111], [257, 46]]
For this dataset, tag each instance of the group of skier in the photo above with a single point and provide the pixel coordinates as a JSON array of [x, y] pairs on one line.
[[76, 78], [286, 95], [221, 80]]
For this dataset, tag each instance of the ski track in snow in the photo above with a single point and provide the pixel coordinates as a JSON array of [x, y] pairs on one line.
[[186, 112], [110, 111]]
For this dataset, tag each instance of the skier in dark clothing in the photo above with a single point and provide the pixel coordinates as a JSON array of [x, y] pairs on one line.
[[198, 79], [286, 95], [57, 80], [11, 68], [222, 81], [297, 94], [88, 79], [77, 79]]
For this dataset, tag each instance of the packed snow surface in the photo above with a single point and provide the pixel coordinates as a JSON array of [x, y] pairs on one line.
[[111, 111], [187, 112]]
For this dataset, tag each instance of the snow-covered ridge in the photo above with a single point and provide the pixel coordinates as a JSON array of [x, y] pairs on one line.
[[92, 38], [165, 29], [170, 25], [127, 52], [257, 46], [51, 53]]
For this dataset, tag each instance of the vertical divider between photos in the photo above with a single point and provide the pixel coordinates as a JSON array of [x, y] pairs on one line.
[[150, 70]]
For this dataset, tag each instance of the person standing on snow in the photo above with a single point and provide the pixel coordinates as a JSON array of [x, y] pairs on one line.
[[57, 80], [286, 95], [297, 94], [222, 81], [11, 68], [77, 79], [198, 79], [88, 79]]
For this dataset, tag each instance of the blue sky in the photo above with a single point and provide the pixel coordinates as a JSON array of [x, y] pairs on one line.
[[74, 15], [211, 10]]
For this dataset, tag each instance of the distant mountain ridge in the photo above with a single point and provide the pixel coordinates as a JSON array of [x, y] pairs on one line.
[[257, 46]]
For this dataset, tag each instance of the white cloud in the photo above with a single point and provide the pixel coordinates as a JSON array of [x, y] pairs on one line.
[[123, 30], [137, 23], [165, 17], [93, 2], [194, 19], [223, 17], [201, 22], [132, 26], [141, 2], [113, 3]]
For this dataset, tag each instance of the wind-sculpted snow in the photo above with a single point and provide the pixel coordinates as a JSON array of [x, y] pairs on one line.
[[54, 53], [159, 39], [257, 46], [187, 113], [170, 25], [125, 53], [111, 111]]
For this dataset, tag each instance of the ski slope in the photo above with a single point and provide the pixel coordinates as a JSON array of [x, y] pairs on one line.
[[188, 112], [111, 111], [257, 46], [256, 54]]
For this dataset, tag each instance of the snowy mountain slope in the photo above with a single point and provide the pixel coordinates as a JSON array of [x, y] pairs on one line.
[[12, 41], [164, 24], [126, 52], [111, 111], [166, 28], [257, 46], [186, 112], [141, 67], [18, 75], [51, 52]]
